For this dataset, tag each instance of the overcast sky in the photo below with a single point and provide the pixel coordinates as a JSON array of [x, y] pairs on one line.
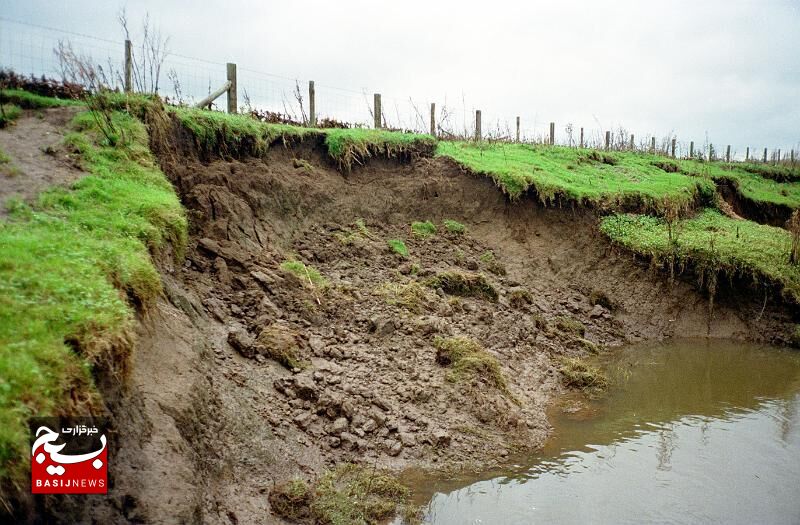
[[728, 69]]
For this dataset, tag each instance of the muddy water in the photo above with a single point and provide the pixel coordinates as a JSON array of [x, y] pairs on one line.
[[693, 432]]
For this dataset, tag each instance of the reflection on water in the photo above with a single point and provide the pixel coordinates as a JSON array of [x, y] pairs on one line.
[[694, 432]]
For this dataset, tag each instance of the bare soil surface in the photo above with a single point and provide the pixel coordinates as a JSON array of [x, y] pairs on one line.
[[38, 159]]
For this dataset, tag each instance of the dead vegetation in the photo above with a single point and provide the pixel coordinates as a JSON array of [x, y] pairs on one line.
[[577, 373], [411, 295], [468, 360], [463, 284], [282, 344], [350, 494]]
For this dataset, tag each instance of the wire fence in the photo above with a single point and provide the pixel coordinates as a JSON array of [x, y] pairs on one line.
[[30, 49]]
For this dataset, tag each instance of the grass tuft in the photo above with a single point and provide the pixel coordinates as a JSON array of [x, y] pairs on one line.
[[307, 274], [423, 228], [467, 360], [576, 373], [412, 296], [398, 247], [570, 326], [349, 494], [454, 227], [8, 114]]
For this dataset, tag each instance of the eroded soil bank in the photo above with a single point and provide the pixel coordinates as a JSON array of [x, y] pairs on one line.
[[210, 420], [236, 422]]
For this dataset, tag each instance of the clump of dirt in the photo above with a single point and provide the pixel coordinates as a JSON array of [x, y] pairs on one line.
[[667, 166], [598, 156], [463, 284]]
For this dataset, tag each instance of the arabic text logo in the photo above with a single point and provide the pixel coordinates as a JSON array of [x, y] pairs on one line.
[[69, 460]]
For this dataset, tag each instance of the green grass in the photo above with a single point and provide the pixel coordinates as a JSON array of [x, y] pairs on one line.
[[304, 272], [68, 265], [398, 247], [240, 135], [712, 242], [4, 158], [9, 113], [423, 228], [356, 145], [604, 180], [27, 100], [454, 227], [752, 186]]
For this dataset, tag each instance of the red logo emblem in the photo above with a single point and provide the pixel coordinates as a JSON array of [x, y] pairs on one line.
[[79, 471]]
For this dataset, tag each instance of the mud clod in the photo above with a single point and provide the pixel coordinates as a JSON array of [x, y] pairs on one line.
[[464, 285]]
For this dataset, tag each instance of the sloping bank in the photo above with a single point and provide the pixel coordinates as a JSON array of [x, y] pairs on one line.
[[75, 266]]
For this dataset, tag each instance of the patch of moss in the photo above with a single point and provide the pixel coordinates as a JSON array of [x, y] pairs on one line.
[[464, 285], [576, 373], [398, 247], [423, 229]]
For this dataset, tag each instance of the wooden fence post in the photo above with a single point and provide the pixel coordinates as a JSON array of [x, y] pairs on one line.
[[791, 155], [631, 146], [552, 133], [691, 149], [765, 154], [312, 104], [747, 154], [128, 67], [779, 156], [581, 138], [377, 110], [652, 145], [433, 118], [608, 140], [728, 153], [233, 102], [673, 147], [517, 129], [478, 124]]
